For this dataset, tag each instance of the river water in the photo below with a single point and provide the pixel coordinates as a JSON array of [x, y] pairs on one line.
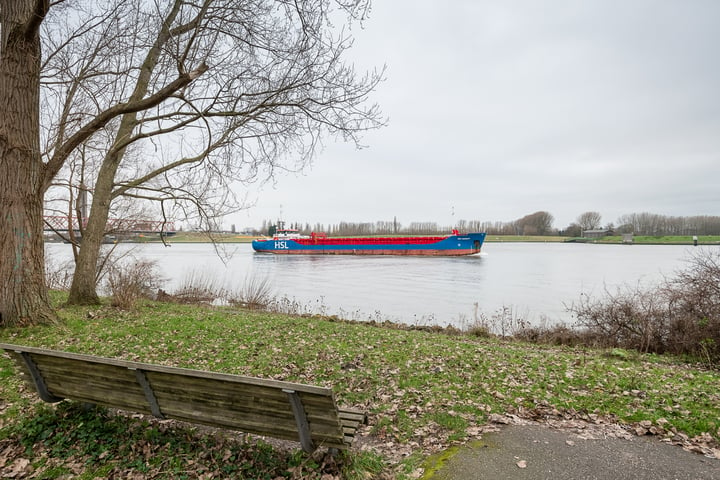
[[535, 280]]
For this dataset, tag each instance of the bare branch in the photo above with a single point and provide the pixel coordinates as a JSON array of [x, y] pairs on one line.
[[61, 154]]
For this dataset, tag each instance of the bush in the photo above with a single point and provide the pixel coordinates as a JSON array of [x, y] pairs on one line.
[[256, 293], [693, 298], [58, 276], [628, 318], [197, 287], [128, 282], [680, 316]]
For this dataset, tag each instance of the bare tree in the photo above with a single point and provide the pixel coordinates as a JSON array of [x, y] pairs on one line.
[[177, 102], [268, 80], [538, 223], [589, 221], [654, 224], [573, 230]]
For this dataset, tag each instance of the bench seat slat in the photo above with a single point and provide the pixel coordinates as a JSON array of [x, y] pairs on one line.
[[178, 406], [200, 387], [161, 368], [257, 424], [354, 415]]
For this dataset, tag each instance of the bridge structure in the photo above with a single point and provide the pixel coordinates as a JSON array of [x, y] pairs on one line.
[[114, 225]]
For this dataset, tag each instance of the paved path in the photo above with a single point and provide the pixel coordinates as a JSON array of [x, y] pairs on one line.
[[537, 452]]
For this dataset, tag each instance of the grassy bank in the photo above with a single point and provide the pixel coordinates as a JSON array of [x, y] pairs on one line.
[[423, 390], [525, 238], [663, 240], [201, 237], [614, 239]]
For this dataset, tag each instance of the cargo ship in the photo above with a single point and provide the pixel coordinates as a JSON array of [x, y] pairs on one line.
[[291, 242]]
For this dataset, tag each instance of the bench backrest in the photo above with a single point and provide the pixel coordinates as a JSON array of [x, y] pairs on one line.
[[260, 406]]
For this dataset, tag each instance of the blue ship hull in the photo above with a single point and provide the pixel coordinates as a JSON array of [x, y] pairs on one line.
[[452, 245]]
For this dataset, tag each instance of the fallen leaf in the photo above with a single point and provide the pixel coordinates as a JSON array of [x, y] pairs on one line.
[[496, 418], [19, 469]]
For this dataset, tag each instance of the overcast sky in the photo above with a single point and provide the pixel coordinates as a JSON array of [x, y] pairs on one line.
[[501, 108]]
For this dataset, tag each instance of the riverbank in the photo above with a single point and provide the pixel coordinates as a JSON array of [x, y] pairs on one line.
[[654, 240], [199, 237], [424, 390]]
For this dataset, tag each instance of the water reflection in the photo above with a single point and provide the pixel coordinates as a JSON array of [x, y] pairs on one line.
[[535, 280]]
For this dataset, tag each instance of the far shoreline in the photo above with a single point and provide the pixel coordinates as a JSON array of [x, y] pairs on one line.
[[229, 237], [702, 240]]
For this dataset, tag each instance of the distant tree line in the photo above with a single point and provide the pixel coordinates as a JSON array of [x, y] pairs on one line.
[[652, 224], [538, 223]]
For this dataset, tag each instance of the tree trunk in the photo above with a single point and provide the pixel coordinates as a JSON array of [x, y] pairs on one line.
[[83, 289], [23, 292]]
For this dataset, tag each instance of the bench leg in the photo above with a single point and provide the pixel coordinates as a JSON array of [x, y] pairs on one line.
[[301, 420], [149, 393], [38, 379]]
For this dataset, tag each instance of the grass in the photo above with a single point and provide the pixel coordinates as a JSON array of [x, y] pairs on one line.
[[424, 391], [663, 239], [200, 237], [525, 238]]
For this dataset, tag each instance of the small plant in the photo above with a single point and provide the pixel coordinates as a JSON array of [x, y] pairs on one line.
[[256, 293], [129, 282], [708, 351], [58, 276], [197, 287], [479, 330], [506, 321]]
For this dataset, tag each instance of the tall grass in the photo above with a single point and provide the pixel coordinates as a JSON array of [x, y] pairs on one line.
[[58, 275], [256, 293], [196, 287], [130, 281]]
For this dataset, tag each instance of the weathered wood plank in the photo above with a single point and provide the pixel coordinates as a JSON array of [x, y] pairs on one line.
[[210, 388], [75, 389], [351, 414], [184, 371], [277, 411], [253, 423], [173, 406]]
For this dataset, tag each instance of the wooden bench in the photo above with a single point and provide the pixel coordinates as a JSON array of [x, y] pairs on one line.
[[291, 411]]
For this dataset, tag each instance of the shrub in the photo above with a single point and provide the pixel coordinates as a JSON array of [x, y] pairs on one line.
[[197, 287], [693, 298], [680, 316], [629, 318], [256, 293], [58, 276], [130, 281]]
